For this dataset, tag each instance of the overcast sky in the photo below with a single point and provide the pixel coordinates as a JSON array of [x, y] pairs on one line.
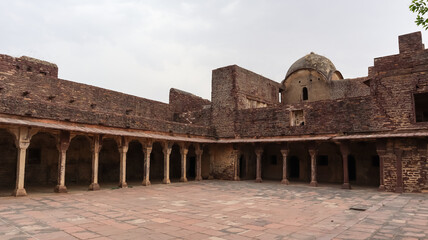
[[144, 48]]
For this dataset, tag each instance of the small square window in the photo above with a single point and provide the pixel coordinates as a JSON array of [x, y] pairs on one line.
[[297, 118]]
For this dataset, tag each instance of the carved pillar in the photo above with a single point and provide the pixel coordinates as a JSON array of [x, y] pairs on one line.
[[64, 143], [123, 149], [22, 142], [95, 149], [381, 152], [399, 166], [183, 151], [259, 152], [198, 152], [284, 153], [236, 166], [166, 154], [344, 151], [147, 152], [313, 152]]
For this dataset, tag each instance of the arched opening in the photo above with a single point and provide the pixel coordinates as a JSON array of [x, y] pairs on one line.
[[205, 164], [78, 169], [242, 167], [134, 162], [191, 163], [8, 157], [305, 94], [294, 167], [156, 163], [366, 164], [41, 168], [109, 162], [352, 168], [175, 163]]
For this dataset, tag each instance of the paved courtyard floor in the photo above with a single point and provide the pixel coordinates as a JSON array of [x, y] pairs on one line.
[[216, 210]]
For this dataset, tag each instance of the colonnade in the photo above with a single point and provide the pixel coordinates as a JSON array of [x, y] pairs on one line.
[[23, 137]]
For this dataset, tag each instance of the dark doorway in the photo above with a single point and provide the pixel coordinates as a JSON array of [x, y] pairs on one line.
[[191, 173], [242, 167], [352, 168], [294, 165]]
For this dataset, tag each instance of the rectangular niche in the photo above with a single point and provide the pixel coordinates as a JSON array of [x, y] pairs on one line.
[[297, 118]]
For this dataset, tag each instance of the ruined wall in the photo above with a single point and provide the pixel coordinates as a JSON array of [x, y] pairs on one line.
[[40, 96], [28, 66], [181, 101], [254, 90]]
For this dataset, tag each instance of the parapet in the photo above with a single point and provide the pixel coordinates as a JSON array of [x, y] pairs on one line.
[[411, 42], [11, 65]]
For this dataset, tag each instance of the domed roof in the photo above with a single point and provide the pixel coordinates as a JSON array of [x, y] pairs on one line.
[[316, 62]]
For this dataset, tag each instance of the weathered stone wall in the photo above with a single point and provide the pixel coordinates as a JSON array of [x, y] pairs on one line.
[[224, 160], [413, 161], [27, 66]]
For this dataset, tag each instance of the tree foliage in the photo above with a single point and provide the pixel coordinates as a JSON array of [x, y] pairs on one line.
[[420, 7]]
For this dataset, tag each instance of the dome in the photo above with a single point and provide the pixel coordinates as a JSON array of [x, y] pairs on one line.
[[316, 62]]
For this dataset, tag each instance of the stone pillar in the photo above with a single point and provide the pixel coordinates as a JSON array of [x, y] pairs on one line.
[[236, 166], [123, 149], [183, 151], [166, 154], [211, 176], [198, 152], [22, 142], [313, 152], [381, 152], [95, 149], [259, 152], [399, 166], [64, 143], [344, 151], [284, 153], [147, 152]]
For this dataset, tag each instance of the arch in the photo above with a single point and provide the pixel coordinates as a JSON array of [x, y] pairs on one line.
[[41, 166], [305, 95], [156, 162], [78, 168], [191, 163], [205, 164], [135, 161], [109, 162], [175, 163], [8, 157]]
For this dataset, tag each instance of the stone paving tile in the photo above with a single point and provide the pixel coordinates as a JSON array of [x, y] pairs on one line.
[[216, 210]]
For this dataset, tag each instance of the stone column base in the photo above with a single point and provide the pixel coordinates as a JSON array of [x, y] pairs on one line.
[[19, 192], [381, 188], [236, 178], [259, 180], [123, 185], [285, 181], [146, 182], [314, 184], [166, 181], [94, 187], [183, 179], [60, 189], [346, 186], [198, 178]]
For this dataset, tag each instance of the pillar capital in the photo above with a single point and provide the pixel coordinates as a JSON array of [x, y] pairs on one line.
[[258, 151], [312, 151], [199, 152], [96, 144], [64, 141], [284, 152], [184, 150]]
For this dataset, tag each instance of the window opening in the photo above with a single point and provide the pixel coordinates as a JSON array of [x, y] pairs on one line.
[[305, 94], [421, 107]]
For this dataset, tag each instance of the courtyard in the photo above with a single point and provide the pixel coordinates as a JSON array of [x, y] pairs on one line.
[[216, 210]]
